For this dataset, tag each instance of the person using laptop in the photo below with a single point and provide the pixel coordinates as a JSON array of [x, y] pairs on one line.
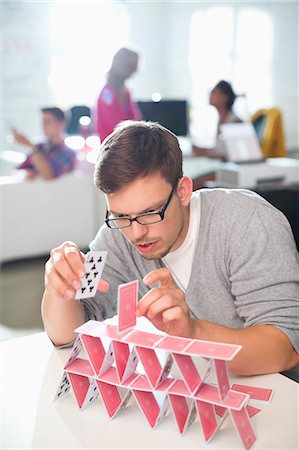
[[215, 264], [222, 97]]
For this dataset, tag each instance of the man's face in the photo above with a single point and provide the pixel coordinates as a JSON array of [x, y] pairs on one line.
[[148, 194], [51, 126]]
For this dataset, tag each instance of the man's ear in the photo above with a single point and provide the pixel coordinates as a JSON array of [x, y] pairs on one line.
[[184, 190]]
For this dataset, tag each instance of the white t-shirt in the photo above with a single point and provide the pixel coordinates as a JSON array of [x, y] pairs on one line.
[[180, 261]]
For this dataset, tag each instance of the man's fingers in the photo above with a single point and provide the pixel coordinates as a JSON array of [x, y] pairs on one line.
[[75, 259], [149, 298], [161, 275], [173, 314], [54, 282], [157, 308]]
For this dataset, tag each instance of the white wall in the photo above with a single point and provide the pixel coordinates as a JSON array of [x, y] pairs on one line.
[[161, 31]]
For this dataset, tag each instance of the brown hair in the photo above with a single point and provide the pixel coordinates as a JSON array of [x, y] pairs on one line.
[[136, 149], [56, 112]]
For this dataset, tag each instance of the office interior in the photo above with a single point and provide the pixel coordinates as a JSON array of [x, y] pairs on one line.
[[58, 53]]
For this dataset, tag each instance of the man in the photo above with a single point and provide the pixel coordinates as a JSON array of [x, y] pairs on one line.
[[52, 158], [223, 263]]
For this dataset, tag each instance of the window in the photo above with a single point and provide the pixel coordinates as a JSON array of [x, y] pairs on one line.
[[235, 44], [84, 38]]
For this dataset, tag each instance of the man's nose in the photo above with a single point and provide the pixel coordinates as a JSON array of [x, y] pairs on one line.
[[139, 231]]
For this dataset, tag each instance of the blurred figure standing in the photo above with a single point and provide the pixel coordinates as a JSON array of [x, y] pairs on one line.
[[222, 97], [52, 158], [115, 103]]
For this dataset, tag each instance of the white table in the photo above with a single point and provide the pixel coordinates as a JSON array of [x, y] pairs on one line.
[[32, 369]]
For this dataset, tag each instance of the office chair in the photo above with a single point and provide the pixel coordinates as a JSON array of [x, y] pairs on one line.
[[269, 129], [75, 113]]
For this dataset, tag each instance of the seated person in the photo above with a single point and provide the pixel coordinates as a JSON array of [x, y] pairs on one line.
[[222, 97], [223, 275], [51, 158]]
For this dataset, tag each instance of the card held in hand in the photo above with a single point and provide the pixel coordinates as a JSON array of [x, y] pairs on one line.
[[127, 301], [94, 264]]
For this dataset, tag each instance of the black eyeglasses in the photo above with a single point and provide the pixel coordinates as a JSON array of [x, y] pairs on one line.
[[143, 219]]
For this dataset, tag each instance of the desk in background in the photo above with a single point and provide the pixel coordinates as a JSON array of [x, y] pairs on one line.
[[32, 370]]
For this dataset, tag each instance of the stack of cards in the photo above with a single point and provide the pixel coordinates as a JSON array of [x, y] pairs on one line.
[[104, 360]]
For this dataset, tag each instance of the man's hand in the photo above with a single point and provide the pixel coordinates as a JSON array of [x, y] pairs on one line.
[[63, 271], [21, 139], [165, 306]]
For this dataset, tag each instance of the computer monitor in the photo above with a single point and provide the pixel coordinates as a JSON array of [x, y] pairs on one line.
[[172, 114]]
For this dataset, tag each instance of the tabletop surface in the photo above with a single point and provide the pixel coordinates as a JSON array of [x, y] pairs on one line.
[[32, 369]]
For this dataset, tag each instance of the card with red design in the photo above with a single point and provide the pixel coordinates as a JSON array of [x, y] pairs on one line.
[[115, 398], [207, 418], [255, 393], [222, 377], [184, 411], [80, 385], [243, 427], [155, 373], [126, 307], [154, 405]]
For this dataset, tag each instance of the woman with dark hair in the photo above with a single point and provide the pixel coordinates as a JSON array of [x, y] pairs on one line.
[[115, 102], [222, 97]]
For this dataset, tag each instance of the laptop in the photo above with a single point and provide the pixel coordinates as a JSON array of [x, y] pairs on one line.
[[241, 143]]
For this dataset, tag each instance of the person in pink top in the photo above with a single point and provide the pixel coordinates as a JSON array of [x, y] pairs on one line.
[[115, 103]]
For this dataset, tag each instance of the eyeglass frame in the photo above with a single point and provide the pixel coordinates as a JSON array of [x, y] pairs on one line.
[[161, 213]]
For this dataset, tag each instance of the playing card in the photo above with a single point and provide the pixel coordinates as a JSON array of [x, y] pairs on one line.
[[181, 408], [81, 367], [150, 406], [110, 396], [76, 349], [179, 387], [131, 366], [143, 338], [92, 394], [164, 407], [63, 388], [155, 373], [80, 385], [255, 393], [188, 371], [210, 394], [114, 398], [121, 354], [95, 351], [215, 350], [108, 361], [94, 264], [243, 427], [207, 418], [222, 377], [219, 410], [127, 301], [252, 411], [174, 344], [141, 383], [165, 385], [110, 376]]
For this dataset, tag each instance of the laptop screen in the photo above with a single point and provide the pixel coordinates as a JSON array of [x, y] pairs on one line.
[[241, 143]]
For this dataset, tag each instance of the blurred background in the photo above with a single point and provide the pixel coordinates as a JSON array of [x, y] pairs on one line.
[[58, 53]]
